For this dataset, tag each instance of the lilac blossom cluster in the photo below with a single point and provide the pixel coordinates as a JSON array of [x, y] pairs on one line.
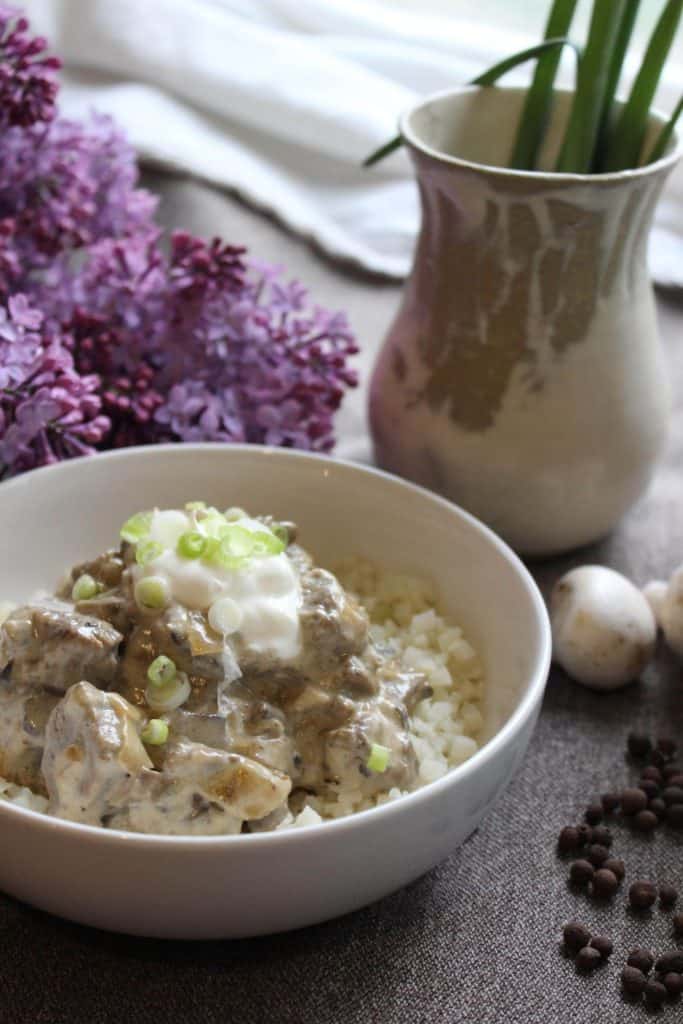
[[111, 335]]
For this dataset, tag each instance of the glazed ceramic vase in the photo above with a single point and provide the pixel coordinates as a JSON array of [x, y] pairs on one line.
[[522, 377]]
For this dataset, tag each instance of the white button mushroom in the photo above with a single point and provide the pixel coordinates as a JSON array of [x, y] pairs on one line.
[[604, 631], [666, 601]]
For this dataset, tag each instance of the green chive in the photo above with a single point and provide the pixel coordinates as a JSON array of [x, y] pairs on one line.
[[626, 140], [152, 592], [539, 98]]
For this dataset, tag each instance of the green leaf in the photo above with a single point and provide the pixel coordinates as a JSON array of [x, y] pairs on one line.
[[538, 104], [659, 148], [576, 154], [487, 78], [624, 33], [626, 141]]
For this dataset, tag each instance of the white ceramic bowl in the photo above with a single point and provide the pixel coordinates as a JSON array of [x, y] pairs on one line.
[[248, 885]]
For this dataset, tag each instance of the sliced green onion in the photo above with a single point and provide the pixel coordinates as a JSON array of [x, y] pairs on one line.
[[195, 506], [161, 671], [211, 523], [266, 543], [170, 696], [379, 758], [147, 551], [155, 732], [281, 532], [137, 527], [84, 588], [236, 542], [152, 592], [235, 513], [191, 544]]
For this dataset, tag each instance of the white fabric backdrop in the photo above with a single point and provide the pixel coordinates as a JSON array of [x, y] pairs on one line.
[[281, 100]]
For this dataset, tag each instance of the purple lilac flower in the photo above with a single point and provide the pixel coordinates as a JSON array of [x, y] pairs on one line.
[[28, 84], [48, 411]]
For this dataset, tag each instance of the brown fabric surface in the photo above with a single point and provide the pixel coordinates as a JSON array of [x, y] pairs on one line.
[[477, 939]]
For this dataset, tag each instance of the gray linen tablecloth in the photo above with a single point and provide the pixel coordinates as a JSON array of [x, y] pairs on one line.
[[476, 940]]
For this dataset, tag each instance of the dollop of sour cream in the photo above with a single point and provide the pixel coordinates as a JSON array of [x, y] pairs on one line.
[[261, 601]]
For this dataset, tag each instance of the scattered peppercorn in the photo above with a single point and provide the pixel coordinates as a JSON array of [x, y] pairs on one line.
[[678, 924], [672, 795], [675, 780], [671, 961], [673, 983], [672, 768], [610, 802], [602, 835], [646, 821], [588, 958], [649, 788], [575, 936], [617, 867], [603, 945], [581, 872], [642, 959], [658, 807], [655, 993], [668, 894], [642, 895], [653, 773], [585, 834], [594, 814], [597, 854], [633, 980], [639, 745], [605, 883], [568, 839], [632, 801]]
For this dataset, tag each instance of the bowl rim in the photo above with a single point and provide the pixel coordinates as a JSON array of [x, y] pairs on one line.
[[522, 712]]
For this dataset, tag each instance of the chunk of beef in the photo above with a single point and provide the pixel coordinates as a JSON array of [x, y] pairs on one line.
[[50, 645], [348, 749], [93, 754], [333, 625], [202, 791], [23, 717], [106, 569]]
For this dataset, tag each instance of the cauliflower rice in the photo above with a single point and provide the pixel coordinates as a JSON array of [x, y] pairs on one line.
[[444, 727]]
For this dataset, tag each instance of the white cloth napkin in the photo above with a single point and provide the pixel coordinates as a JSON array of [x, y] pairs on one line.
[[280, 100]]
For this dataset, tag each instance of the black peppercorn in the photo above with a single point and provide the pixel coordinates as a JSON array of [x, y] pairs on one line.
[[568, 839], [649, 788], [581, 872], [646, 821], [671, 961], [603, 945], [672, 795], [667, 746], [655, 993], [642, 959], [575, 936], [610, 802], [602, 835], [668, 894], [674, 815], [594, 814], [658, 807], [633, 980], [587, 959], [673, 983], [605, 883], [678, 924], [617, 867], [585, 834], [632, 801], [642, 895], [652, 772], [597, 854]]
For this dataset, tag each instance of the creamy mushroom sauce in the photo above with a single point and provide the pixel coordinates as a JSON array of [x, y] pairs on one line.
[[202, 679]]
